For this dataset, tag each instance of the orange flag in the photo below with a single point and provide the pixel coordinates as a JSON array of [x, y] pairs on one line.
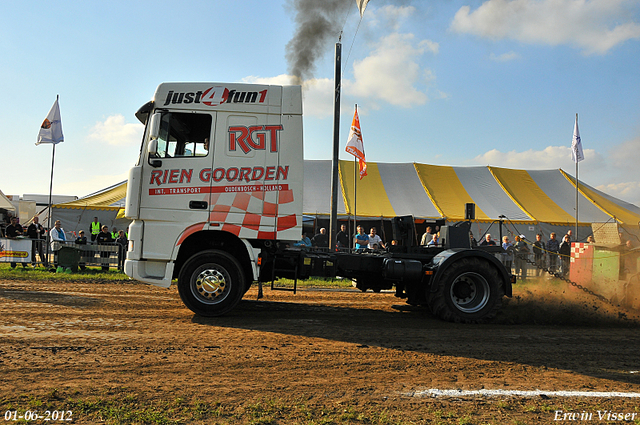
[[355, 145]]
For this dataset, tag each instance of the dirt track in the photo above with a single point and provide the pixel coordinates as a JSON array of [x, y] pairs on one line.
[[331, 349]]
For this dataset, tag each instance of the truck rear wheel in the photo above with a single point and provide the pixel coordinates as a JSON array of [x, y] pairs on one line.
[[211, 283], [470, 290]]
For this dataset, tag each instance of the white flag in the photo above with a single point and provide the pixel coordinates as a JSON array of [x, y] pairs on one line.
[[362, 5], [576, 144], [51, 128]]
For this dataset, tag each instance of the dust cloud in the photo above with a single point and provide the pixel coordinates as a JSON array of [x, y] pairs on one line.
[[554, 302]]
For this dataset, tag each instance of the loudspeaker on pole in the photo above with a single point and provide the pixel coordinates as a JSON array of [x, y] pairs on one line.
[[470, 211]]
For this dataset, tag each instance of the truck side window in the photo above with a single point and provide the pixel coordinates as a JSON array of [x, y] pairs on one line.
[[184, 135]]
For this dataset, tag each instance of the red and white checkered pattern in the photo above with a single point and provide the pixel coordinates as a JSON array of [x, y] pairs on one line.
[[580, 249], [249, 214]]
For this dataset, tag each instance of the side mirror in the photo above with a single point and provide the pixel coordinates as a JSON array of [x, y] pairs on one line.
[[154, 132], [154, 125], [152, 149]]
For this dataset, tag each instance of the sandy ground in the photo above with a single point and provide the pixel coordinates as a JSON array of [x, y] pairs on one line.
[[329, 348]]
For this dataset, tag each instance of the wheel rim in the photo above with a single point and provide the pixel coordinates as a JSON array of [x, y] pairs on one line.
[[470, 292], [211, 284]]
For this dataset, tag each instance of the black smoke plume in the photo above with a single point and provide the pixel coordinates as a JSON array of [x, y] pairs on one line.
[[318, 23]]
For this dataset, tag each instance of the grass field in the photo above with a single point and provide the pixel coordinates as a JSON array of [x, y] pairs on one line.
[[40, 273], [95, 274], [121, 407]]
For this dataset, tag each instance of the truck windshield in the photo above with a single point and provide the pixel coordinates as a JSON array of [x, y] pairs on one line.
[[184, 135]]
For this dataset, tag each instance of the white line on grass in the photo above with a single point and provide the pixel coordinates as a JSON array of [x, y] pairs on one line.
[[516, 393]]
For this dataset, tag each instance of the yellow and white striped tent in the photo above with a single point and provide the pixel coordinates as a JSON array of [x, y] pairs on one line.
[[433, 191]]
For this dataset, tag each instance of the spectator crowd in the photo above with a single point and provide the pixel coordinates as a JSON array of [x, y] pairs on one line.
[[58, 238]]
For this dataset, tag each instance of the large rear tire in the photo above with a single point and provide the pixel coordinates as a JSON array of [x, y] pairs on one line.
[[470, 290], [211, 283]]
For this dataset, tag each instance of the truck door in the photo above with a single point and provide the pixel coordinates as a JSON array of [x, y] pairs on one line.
[[245, 174], [175, 180]]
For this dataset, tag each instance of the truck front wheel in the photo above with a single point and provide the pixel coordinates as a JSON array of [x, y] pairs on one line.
[[211, 283], [469, 290]]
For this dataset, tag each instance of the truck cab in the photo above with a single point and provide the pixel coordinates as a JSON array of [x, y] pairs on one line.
[[219, 176]]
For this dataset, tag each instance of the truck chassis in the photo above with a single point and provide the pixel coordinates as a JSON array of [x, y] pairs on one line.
[[456, 284]]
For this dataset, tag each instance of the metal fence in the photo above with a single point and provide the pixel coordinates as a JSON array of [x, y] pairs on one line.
[[530, 266], [107, 256], [110, 255]]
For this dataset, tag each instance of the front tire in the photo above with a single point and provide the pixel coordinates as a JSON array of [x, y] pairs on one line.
[[211, 283], [470, 291]]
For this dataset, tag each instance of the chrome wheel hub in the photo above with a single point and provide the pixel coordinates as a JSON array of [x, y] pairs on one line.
[[211, 285]]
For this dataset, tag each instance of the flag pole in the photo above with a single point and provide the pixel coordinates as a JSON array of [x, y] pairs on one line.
[[355, 194], [46, 238], [576, 238], [355, 190], [51, 132], [53, 158]]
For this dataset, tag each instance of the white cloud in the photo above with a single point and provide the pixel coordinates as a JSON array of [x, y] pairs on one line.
[[430, 46], [317, 93], [628, 191], [279, 80], [551, 157], [392, 72], [114, 131], [317, 97], [389, 17], [624, 176], [595, 26], [505, 57], [625, 156]]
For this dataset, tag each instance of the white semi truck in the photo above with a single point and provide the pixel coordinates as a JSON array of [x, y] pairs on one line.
[[216, 202]]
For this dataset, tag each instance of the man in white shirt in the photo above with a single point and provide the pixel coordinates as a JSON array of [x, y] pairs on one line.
[[374, 239], [58, 240], [57, 233]]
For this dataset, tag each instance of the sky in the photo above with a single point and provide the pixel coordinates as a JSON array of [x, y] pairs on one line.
[[449, 82]]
